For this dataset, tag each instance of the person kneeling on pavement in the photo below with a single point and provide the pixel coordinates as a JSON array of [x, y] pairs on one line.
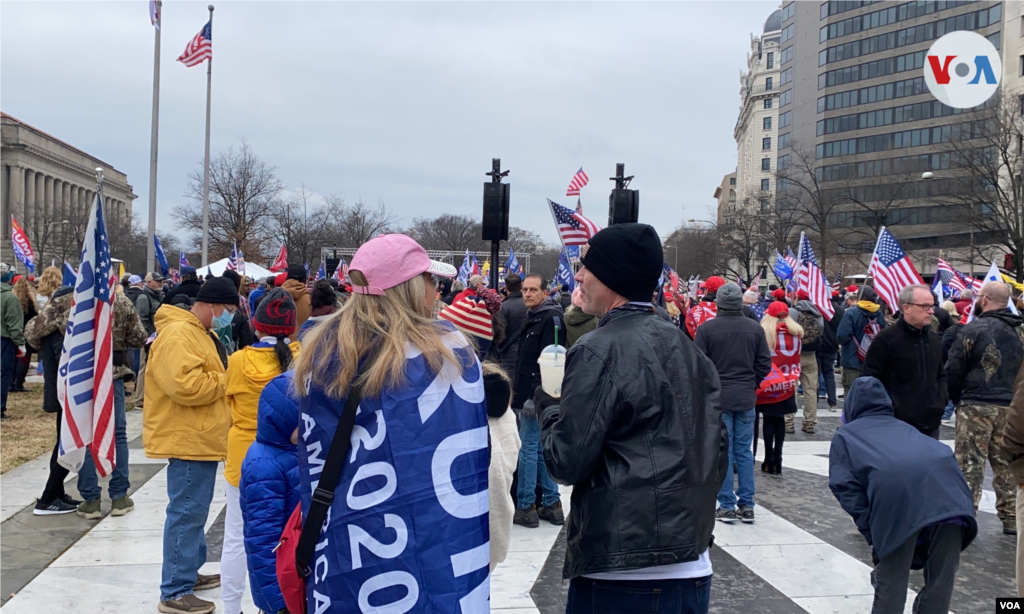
[[643, 445], [906, 495]]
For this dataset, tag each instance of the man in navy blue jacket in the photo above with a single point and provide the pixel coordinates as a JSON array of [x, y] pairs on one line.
[[906, 495]]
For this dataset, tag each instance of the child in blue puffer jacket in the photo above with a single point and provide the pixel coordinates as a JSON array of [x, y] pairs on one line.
[[269, 488]]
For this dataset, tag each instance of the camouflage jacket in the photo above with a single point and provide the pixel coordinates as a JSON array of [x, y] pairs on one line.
[[985, 357]]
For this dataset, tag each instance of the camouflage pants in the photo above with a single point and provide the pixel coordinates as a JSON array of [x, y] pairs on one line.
[[979, 437]]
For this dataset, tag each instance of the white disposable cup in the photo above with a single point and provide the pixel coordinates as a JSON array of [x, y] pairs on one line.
[[552, 370]]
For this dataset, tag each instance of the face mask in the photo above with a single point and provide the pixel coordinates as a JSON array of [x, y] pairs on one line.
[[223, 320]]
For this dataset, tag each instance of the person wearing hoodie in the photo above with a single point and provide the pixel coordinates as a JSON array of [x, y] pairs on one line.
[[323, 302], [809, 318], [861, 322], [577, 321], [543, 327], [295, 284], [739, 349], [249, 371], [268, 490], [187, 420], [906, 495], [12, 333], [980, 371]]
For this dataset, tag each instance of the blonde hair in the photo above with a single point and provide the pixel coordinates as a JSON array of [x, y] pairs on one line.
[[377, 328], [950, 307], [23, 290], [770, 325], [671, 308], [49, 281]]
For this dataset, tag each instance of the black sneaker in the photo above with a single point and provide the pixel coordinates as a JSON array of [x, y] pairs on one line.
[[527, 518], [726, 516], [57, 506], [747, 515], [66, 498], [1010, 528], [552, 514]]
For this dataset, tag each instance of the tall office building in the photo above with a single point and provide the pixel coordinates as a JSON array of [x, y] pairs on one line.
[[853, 104]]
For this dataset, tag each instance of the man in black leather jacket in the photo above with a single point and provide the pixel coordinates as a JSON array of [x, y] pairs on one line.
[[639, 435]]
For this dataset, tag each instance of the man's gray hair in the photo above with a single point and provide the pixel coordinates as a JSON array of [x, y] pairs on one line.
[[907, 294]]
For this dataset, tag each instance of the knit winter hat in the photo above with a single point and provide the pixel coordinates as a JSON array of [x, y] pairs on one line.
[[714, 283], [778, 309], [297, 271], [471, 317], [491, 299], [275, 314], [627, 258], [218, 291], [729, 297]]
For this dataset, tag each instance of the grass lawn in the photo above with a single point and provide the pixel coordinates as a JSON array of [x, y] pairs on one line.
[[29, 431]]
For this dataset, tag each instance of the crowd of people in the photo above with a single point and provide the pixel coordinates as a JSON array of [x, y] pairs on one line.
[[422, 398]]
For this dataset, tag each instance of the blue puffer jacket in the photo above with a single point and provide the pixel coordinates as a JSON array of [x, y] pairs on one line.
[[851, 331], [269, 489]]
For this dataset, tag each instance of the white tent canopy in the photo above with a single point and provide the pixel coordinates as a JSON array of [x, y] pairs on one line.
[[254, 271]]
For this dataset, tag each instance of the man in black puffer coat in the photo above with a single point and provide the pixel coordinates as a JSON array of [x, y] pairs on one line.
[[639, 435]]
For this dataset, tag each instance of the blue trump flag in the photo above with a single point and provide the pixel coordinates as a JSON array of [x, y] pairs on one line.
[[781, 269], [408, 527], [564, 275], [512, 264], [70, 275], [161, 258]]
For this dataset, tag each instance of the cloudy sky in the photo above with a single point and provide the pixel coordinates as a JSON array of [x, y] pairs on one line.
[[405, 102]]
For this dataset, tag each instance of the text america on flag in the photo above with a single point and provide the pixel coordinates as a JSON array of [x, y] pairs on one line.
[[573, 228], [892, 269], [199, 48], [579, 180]]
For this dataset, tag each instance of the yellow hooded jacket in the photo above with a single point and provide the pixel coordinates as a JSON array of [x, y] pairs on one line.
[[249, 371], [186, 413]]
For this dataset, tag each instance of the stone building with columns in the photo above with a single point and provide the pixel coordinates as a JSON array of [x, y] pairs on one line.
[[48, 186]]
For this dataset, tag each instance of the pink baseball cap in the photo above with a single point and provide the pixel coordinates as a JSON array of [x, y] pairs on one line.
[[389, 260]]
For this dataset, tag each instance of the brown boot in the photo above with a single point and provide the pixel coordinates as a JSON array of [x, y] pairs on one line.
[[552, 514], [186, 604], [527, 518]]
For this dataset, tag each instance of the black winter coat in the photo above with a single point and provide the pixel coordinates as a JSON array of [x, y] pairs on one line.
[[985, 357], [738, 348], [908, 362], [639, 435], [188, 287], [891, 479], [829, 341], [513, 311], [538, 334]]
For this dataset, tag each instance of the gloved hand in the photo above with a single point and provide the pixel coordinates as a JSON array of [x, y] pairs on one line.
[[21, 352], [543, 400]]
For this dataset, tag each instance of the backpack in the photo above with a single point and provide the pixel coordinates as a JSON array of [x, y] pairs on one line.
[[809, 322]]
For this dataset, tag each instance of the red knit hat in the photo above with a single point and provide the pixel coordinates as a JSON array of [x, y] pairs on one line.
[[778, 294], [802, 295], [714, 283], [778, 309], [275, 314], [471, 317], [491, 299], [852, 289]]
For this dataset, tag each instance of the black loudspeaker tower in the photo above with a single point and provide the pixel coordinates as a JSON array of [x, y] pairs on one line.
[[495, 218], [331, 264], [623, 203]]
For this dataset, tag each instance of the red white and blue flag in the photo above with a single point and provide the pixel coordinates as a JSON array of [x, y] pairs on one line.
[[85, 385], [22, 248], [837, 285], [813, 280], [579, 180], [233, 258], [321, 273], [199, 48], [755, 285], [790, 259], [341, 271], [182, 260], [573, 228], [892, 269]]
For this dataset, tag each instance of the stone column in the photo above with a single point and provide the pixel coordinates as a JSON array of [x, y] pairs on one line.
[[48, 190], [30, 198], [15, 197], [39, 209]]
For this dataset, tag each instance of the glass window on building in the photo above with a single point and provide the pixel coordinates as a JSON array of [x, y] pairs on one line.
[[732, 181], [764, 185], [766, 164], [767, 123], [768, 83], [768, 101], [771, 60], [766, 143]]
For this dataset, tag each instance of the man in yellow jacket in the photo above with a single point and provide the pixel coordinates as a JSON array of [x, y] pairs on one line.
[[187, 421]]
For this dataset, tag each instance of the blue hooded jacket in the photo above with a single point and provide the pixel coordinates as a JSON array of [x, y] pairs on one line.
[[269, 489], [890, 477]]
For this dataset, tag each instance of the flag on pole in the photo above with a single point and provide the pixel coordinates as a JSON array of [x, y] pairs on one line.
[[465, 269], [161, 257], [937, 288], [782, 269], [233, 258], [154, 19], [22, 247], [755, 285], [486, 270], [564, 275], [790, 258], [321, 273], [573, 228], [813, 280], [307, 269], [341, 271], [182, 260], [281, 262], [995, 275], [175, 277], [512, 264], [85, 385], [69, 275], [892, 269], [837, 285], [950, 276], [199, 48], [475, 269], [241, 263], [579, 206], [579, 180]]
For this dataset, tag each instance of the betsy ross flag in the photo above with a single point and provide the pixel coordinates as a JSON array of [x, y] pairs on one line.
[[22, 248], [182, 260], [579, 180], [573, 228], [199, 48], [892, 269], [813, 280], [281, 262], [85, 385]]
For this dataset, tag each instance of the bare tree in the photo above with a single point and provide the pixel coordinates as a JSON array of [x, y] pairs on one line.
[[800, 189], [522, 241], [448, 232], [306, 223], [360, 222], [742, 245], [692, 249], [865, 206], [243, 198]]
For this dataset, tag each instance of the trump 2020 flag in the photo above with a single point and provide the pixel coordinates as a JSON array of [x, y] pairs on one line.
[[564, 276], [22, 248], [85, 374], [161, 257]]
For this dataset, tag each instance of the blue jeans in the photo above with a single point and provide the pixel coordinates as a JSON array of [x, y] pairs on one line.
[[88, 486], [190, 490], [740, 426], [531, 463], [948, 412], [827, 377], [689, 596], [8, 353]]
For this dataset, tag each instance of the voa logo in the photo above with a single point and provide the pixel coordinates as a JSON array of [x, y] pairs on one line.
[[962, 69]]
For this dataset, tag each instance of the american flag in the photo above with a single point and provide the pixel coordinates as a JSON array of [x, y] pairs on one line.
[[813, 280], [573, 228], [154, 14], [182, 260], [85, 385], [950, 276], [579, 180], [892, 269], [233, 258], [790, 259], [837, 285], [341, 271], [199, 48]]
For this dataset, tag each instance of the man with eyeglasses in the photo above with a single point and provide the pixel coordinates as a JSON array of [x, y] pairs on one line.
[[907, 359], [982, 366]]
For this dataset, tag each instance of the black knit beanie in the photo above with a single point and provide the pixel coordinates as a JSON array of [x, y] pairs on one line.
[[627, 258], [275, 314], [218, 291], [297, 271]]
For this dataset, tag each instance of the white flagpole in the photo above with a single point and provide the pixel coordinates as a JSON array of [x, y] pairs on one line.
[[153, 139], [206, 162], [799, 260]]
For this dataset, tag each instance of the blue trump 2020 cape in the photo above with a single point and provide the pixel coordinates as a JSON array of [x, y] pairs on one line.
[[408, 527]]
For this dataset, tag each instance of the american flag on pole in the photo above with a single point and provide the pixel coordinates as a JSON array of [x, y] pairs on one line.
[[233, 258], [790, 259], [579, 180], [573, 228], [813, 280], [199, 48], [154, 14], [892, 269], [837, 285], [341, 271], [85, 375], [950, 276]]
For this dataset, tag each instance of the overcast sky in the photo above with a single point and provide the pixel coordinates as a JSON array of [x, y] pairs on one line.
[[405, 102]]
